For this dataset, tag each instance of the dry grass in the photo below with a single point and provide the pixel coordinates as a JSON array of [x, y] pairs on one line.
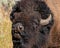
[[5, 25]]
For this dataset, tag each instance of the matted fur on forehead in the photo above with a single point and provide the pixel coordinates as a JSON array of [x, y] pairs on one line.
[[27, 5], [25, 17], [21, 16]]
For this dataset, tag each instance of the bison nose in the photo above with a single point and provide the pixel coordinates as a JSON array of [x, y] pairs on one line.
[[20, 28]]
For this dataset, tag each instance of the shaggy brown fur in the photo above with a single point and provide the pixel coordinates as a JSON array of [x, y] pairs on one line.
[[29, 13]]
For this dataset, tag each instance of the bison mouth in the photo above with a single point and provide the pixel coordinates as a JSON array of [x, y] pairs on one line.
[[19, 39]]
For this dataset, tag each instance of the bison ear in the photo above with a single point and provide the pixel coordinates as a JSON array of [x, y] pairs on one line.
[[46, 21]]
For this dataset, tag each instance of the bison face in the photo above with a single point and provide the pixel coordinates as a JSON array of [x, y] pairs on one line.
[[27, 24], [26, 27]]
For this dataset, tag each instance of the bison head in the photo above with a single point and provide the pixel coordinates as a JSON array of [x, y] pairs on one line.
[[28, 17]]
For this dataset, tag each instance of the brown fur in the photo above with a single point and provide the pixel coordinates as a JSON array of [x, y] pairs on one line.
[[29, 16]]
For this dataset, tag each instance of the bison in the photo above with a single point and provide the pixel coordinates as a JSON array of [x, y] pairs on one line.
[[31, 24]]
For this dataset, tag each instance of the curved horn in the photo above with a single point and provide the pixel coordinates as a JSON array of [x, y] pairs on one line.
[[46, 21]]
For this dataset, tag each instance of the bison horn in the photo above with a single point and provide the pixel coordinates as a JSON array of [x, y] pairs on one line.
[[46, 21]]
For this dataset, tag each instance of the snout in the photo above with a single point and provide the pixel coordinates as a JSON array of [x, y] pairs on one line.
[[19, 32]]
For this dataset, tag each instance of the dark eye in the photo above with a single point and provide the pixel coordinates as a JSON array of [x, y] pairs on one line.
[[35, 24]]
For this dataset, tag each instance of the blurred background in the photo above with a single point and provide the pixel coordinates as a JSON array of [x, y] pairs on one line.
[[5, 23]]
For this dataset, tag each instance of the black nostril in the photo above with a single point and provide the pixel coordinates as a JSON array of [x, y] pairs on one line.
[[20, 28]]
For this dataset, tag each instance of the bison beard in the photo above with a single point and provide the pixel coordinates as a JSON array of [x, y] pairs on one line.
[[27, 32]]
